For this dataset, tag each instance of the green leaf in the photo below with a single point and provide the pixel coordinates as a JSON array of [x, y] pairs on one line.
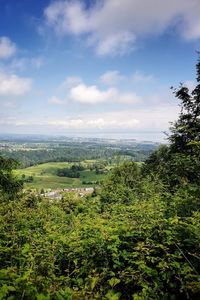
[[113, 295], [113, 281]]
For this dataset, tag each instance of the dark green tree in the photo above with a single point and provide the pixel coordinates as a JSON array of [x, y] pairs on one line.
[[179, 162], [10, 186], [123, 183], [187, 128]]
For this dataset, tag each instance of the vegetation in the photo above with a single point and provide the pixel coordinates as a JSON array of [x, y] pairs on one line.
[[29, 153], [137, 238], [72, 172], [9, 186], [46, 175], [179, 163]]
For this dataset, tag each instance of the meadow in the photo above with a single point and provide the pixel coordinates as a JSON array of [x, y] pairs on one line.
[[45, 176]]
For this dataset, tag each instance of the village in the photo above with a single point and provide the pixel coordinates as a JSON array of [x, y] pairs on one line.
[[57, 194]]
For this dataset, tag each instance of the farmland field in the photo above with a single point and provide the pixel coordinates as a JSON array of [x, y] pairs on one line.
[[44, 176]]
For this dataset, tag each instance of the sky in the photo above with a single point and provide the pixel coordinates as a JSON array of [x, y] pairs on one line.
[[95, 68]]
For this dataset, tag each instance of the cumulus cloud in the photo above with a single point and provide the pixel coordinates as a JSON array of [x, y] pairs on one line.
[[128, 121], [77, 91], [94, 123], [13, 85], [113, 26], [137, 119], [67, 16], [7, 48], [90, 94], [93, 95], [111, 77], [81, 123]]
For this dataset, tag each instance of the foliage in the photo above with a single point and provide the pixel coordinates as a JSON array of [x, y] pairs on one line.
[[9, 185], [72, 172], [45, 176], [137, 238], [187, 128], [124, 180], [66, 172], [179, 162], [87, 248], [29, 153]]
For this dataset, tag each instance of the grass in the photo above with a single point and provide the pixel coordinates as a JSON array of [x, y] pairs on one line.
[[44, 176]]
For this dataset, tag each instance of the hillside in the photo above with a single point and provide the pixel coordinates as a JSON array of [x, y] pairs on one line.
[[44, 176], [137, 237]]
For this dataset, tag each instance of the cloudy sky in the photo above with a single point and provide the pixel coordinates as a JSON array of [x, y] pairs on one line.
[[95, 67]]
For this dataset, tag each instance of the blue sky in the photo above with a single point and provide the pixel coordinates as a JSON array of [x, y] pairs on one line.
[[95, 68]]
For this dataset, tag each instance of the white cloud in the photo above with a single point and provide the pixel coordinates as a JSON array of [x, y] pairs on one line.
[[92, 95], [7, 47], [137, 119], [70, 123], [13, 85], [111, 78], [115, 44], [66, 16], [113, 26], [127, 121], [70, 82], [77, 91], [98, 122], [25, 63]]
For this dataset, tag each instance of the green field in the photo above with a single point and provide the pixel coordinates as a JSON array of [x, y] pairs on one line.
[[44, 176]]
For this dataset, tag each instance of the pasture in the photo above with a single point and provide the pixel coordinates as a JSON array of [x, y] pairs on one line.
[[45, 176]]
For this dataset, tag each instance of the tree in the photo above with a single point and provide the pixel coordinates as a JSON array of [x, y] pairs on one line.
[[179, 162], [187, 128], [9, 184], [123, 183]]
